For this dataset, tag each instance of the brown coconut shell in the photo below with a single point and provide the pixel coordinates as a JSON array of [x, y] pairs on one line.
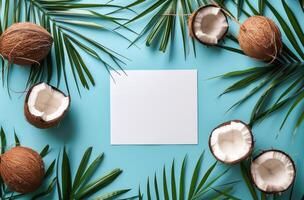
[[25, 43], [260, 38], [274, 150], [242, 158], [191, 22], [22, 169], [38, 121]]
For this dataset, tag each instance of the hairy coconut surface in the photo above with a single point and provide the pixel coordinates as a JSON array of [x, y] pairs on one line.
[[260, 38], [273, 171], [25, 43], [22, 169], [231, 142], [45, 106], [208, 24]]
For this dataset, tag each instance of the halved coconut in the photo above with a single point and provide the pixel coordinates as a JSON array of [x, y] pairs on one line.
[[208, 24], [273, 171], [45, 105], [231, 142]]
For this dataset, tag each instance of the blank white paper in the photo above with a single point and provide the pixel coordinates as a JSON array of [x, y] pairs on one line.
[[154, 107]]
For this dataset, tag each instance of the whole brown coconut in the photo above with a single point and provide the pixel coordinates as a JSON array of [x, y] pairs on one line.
[[260, 38], [25, 43], [22, 169]]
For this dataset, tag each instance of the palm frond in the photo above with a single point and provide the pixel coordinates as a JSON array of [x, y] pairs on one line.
[[261, 6], [247, 180], [240, 4], [199, 188], [285, 71], [80, 186], [301, 2], [68, 186], [161, 29], [61, 19]]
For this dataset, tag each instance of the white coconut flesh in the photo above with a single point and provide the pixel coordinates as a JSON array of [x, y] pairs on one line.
[[273, 171], [47, 103], [210, 24], [231, 142]]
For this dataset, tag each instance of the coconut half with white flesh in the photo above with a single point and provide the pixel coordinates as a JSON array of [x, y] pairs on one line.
[[208, 25], [273, 171], [45, 105], [231, 142]]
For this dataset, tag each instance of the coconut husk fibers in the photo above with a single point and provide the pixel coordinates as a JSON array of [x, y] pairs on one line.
[[25, 43], [260, 38], [38, 121], [22, 169], [190, 24]]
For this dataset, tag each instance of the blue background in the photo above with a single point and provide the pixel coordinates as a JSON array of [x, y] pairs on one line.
[[87, 123]]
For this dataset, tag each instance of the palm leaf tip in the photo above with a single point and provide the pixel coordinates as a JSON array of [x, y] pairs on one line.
[[82, 187], [161, 28], [302, 4], [178, 186], [42, 191]]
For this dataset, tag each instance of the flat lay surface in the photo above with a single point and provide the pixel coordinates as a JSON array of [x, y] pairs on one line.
[[88, 122]]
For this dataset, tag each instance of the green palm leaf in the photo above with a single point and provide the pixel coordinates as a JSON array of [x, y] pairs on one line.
[[160, 30], [81, 168], [248, 182], [156, 188], [17, 141], [148, 190], [261, 6], [48, 191], [173, 183], [302, 4], [182, 180], [195, 177], [3, 140], [44, 151], [66, 176], [294, 22], [197, 188], [165, 185], [50, 169], [287, 30], [60, 17], [285, 70], [225, 194], [80, 186], [239, 8], [98, 184], [112, 195], [205, 177]]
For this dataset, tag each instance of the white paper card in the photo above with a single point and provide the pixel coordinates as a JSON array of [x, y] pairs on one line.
[[154, 107]]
